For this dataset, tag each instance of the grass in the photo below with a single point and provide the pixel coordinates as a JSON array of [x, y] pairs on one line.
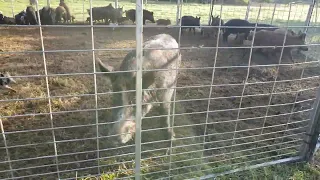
[[114, 166]]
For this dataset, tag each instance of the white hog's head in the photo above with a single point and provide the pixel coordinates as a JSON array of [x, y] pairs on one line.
[[124, 114]]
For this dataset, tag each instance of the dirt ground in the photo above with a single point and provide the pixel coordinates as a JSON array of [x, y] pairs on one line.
[[30, 136]]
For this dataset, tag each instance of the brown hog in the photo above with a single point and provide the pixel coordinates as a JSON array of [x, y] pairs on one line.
[[66, 7], [61, 13], [271, 38]]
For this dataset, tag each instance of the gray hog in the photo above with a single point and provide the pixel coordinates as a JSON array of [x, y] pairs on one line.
[[164, 22], [271, 38], [283, 31], [215, 21], [153, 59], [115, 15]]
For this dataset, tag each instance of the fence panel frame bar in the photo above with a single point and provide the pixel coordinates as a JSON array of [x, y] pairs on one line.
[[312, 134], [248, 10], [139, 56], [309, 16]]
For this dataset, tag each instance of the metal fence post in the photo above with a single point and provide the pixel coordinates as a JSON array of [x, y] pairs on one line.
[[139, 49], [248, 10], [178, 11], [211, 10], [12, 7], [312, 133], [83, 11], [274, 10], [308, 19], [116, 4]]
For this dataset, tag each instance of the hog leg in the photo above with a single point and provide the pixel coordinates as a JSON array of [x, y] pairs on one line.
[[165, 109], [225, 36]]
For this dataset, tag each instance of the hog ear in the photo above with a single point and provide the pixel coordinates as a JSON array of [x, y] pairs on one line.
[[217, 16], [152, 13], [10, 78], [105, 68], [303, 36]]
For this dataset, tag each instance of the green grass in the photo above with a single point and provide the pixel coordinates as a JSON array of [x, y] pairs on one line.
[[292, 171]]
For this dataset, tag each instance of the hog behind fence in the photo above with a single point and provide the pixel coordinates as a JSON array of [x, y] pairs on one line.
[[232, 108]]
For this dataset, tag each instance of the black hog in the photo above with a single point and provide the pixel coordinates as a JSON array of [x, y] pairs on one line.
[[246, 31], [169, 59], [236, 22], [283, 31], [31, 16], [147, 15], [6, 20], [1, 18], [47, 16], [100, 13], [190, 21], [271, 38], [21, 18]]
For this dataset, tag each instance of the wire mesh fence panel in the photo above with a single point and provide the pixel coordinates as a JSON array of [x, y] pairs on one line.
[[93, 98]]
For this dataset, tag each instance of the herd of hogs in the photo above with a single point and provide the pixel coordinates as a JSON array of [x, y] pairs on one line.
[[242, 34], [260, 34]]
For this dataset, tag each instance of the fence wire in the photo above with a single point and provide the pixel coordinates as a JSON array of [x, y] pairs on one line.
[[232, 109]]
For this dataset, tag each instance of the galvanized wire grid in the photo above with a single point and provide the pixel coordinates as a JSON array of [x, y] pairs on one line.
[[236, 116]]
